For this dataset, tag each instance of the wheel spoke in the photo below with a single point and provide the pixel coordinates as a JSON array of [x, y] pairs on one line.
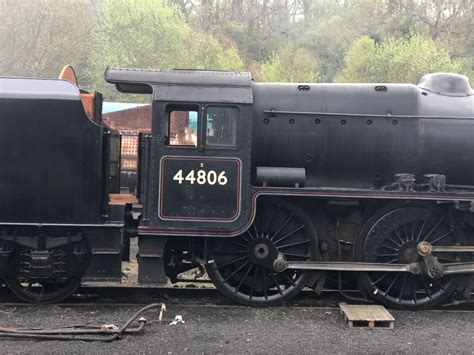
[[380, 278], [283, 225], [440, 238], [265, 292], [387, 247], [290, 280], [293, 244], [253, 282], [243, 279], [240, 245], [422, 228], [392, 283], [433, 229], [399, 237], [394, 242], [232, 262], [236, 271], [250, 235], [255, 230], [272, 222], [407, 238], [402, 288], [413, 284], [241, 236], [296, 230], [277, 285]]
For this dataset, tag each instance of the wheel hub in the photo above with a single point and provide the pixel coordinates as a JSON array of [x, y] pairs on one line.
[[262, 252], [408, 253]]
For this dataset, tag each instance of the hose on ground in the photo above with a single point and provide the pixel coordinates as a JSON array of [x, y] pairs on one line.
[[106, 332]]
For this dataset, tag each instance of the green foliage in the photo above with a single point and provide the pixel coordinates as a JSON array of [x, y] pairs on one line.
[[398, 60], [333, 38], [39, 37], [153, 35], [359, 62], [290, 65], [207, 53]]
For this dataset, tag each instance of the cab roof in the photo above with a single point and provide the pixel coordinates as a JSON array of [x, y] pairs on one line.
[[184, 85]]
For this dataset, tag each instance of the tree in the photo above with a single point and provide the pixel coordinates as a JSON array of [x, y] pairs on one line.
[[150, 34], [39, 37], [257, 27], [290, 65], [327, 28], [448, 22], [208, 53], [398, 60]]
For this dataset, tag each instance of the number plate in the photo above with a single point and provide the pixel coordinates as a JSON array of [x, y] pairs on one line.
[[199, 189]]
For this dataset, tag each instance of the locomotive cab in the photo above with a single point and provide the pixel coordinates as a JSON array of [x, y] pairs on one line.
[[195, 167]]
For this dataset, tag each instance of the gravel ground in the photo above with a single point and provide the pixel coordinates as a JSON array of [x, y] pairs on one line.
[[234, 329]]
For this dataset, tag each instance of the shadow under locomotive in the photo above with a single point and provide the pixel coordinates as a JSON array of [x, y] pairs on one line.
[[272, 187]]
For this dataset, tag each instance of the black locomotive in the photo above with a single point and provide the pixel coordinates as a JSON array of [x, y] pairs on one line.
[[272, 187]]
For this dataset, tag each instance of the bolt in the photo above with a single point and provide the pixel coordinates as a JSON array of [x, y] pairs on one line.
[[424, 248]]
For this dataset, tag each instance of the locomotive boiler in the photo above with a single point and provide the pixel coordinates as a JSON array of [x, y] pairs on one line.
[[272, 187]]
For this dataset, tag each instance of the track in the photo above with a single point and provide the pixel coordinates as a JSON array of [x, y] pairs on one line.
[[214, 324], [199, 296]]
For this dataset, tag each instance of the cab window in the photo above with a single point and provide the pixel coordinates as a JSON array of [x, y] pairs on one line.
[[221, 126], [183, 127]]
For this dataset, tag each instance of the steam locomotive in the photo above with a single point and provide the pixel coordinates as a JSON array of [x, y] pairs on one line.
[[272, 187]]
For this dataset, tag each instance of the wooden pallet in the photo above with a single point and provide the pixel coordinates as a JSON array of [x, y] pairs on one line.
[[367, 316]]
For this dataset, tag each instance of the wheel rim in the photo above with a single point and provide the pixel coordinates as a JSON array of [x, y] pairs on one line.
[[48, 289], [235, 269], [42, 292], [393, 239]]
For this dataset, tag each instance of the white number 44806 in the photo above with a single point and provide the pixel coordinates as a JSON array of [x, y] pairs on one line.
[[201, 177]]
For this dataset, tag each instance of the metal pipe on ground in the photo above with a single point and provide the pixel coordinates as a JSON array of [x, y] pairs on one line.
[[107, 332]]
